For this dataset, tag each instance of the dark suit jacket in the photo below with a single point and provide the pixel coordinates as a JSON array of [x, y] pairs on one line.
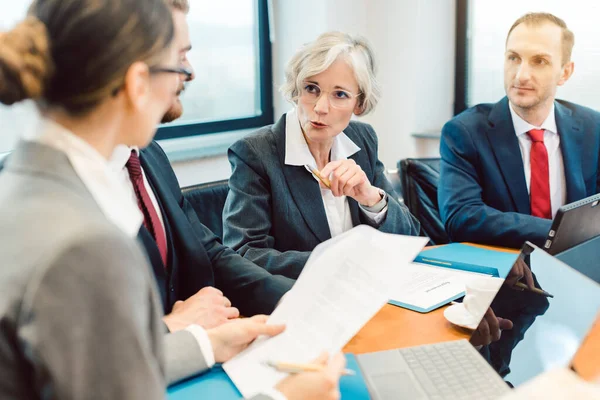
[[274, 213], [482, 193], [196, 257]]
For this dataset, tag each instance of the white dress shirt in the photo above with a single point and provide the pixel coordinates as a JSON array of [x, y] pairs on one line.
[[297, 153], [558, 192], [118, 162], [106, 188]]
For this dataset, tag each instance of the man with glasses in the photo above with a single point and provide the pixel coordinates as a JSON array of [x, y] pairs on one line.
[[198, 277]]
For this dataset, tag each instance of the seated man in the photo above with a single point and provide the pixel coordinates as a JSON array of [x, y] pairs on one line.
[[507, 167], [187, 258]]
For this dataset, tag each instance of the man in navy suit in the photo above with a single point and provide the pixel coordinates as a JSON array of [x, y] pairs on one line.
[[200, 280], [507, 167]]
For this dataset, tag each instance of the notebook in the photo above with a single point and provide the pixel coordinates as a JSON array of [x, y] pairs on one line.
[[439, 275], [469, 258]]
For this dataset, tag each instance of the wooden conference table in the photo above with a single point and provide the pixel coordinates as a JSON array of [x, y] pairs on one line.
[[395, 327]]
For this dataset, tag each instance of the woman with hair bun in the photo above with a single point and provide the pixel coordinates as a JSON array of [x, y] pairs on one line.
[[79, 312], [79, 317]]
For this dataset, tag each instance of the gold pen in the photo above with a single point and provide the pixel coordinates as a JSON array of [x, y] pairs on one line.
[[317, 175], [523, 286], [296, 368]]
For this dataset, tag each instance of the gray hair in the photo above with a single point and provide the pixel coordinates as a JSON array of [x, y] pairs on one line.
[[315, 57]]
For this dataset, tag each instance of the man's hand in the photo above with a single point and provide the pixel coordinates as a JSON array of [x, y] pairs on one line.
[[315, 385], [207, 308], [348, 179], [520, 270], [231, 338], [490, 329]]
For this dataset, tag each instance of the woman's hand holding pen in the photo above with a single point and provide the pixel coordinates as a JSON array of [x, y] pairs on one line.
[[348, 179]]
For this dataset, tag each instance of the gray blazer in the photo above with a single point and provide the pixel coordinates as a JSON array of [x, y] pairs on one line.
[[274, 213], [79, 312]]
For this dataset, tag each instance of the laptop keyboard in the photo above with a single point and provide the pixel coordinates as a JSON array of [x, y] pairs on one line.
[[454, 370]]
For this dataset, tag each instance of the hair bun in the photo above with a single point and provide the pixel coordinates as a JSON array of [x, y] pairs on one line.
[[25, 61]]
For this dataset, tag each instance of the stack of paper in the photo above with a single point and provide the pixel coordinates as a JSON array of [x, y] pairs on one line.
[[344, 284]]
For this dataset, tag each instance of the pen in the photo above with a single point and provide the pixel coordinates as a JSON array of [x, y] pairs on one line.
[[521, 285], [294, 368], [316, 173]]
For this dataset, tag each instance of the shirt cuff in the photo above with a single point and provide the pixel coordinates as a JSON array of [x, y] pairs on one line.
[[204, 342], [377, 212], [273, 394]]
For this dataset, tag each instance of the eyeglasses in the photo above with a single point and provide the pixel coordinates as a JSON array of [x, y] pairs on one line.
[[157, 70], [180, 70], [338, 98]]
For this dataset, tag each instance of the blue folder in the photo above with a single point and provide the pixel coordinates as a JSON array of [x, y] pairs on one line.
[[215, 384], [469, 258]]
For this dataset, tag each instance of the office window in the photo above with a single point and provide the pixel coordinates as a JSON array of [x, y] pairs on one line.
[[231, 55], [487, 24]]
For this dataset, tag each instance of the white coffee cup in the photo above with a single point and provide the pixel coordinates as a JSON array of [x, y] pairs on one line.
[[479, 294]]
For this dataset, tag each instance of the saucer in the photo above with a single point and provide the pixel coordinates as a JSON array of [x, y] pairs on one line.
[[458, 315]]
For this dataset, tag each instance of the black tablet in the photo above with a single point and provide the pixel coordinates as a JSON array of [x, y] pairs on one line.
[[574, 223]]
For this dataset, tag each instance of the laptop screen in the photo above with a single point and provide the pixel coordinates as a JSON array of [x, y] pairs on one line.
[[547, 331]]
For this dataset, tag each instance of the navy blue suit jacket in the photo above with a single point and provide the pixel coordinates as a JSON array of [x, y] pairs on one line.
[[274, 213], [482, 191], [196, 257]]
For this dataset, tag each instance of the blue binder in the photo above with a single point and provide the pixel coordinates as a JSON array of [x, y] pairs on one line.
[[469, 258], [215, 384]]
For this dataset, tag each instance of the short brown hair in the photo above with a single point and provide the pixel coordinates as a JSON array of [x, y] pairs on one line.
[[568, 39], [181, 5], [73, 54]]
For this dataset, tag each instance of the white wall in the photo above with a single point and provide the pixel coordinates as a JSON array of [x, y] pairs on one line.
[[414, 42]]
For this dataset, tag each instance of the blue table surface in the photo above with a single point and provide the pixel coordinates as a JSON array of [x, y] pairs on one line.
[[216, 384]]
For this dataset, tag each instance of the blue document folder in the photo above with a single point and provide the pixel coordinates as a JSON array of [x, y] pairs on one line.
[[215, 384], [469, 258]]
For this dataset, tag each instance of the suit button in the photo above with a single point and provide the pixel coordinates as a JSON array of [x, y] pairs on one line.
[[172, 289]]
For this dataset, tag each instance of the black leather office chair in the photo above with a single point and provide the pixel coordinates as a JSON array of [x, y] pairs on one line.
[[208, 200], [420, 178], [393, 175]]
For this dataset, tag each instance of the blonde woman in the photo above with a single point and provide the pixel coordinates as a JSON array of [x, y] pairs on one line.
[[277, 211]]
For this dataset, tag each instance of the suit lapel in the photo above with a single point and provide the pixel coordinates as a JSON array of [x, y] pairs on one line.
[[353, 204], [303, 188], [505, 145], [571, 137]]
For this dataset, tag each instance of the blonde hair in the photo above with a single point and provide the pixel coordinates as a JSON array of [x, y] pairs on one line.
[[74, 53], [315, 57], [536, 19]]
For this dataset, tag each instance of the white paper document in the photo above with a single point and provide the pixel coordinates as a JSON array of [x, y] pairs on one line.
[[344, 284], [423, 288]]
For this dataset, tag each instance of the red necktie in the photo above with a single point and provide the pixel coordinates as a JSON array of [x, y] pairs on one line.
[[151, 219], [539, 188]]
